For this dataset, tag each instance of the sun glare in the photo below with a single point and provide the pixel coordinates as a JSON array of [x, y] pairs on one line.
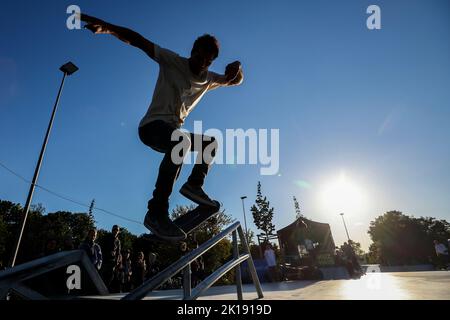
[[341, 194]]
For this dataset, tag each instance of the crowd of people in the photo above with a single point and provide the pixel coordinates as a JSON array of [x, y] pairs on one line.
[[121, 270], [346, 257]]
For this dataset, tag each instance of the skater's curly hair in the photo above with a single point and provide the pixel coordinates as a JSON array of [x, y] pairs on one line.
[[208, 42]]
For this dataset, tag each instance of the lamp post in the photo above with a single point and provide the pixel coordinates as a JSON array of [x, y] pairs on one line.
[[68, 69], [245, 219], [345, 226]]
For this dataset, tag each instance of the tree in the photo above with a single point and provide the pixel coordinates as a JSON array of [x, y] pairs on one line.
[[374, 256], [399, 239], [250, 236], [64, 224], [298, 213], [126, 239], [356, 246], [263, 214], [3, 238], [91, 211], [39, 229], [10, 214]]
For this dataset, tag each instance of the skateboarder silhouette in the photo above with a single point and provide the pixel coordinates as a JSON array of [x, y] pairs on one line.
[[181, 84]]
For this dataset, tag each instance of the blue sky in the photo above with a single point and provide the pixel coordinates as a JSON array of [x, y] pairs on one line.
[[373, 105]]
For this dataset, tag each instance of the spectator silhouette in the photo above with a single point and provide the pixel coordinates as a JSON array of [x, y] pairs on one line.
[[269, 256], [117, 280], [152, 267], [128, 270], [441, 254], [92, 249], [111, 252], [139, 269], [197, 269]]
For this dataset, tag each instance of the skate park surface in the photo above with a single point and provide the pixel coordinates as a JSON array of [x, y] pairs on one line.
[[425, 285]]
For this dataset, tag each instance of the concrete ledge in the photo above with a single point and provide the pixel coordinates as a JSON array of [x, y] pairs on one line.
[[419, 267], [334, 273]]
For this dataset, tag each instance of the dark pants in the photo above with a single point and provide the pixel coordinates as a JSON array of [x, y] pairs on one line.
[[158, 136], [273, 273]]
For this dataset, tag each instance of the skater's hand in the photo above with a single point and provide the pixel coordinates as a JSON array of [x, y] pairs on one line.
[[232, 70], [95, 25], [233, 74]]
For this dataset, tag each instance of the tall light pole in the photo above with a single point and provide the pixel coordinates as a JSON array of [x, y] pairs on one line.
[[245, 219], [345, 226], [68, 69]]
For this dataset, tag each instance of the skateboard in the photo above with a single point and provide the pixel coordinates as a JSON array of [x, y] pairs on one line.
[[192, 220]]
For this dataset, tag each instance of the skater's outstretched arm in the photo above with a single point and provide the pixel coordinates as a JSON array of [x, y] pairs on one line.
[[98, 26], [233, 76]]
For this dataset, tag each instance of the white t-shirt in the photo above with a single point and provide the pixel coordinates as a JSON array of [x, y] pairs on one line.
[[177, 89], [269, 255], [440, 249], [309, 244]]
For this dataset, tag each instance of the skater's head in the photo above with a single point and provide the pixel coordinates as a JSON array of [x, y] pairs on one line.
[[115, 230], [203, 53], [92, 235]]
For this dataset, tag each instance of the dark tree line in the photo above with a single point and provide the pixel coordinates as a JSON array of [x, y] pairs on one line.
[[399, 239], [60, 227]]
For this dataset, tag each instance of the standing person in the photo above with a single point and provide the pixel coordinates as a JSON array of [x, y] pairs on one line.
[[181, 84], [442, 254], [338, 258], [139, 269], [354, 258], [92, 249], [198, 269], [118, 275], [309, 245], [347, 253], [128, 270], [269, 256], [152, 267], [111, 252]]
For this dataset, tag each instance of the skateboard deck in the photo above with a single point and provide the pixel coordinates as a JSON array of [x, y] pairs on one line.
[[191, 220]]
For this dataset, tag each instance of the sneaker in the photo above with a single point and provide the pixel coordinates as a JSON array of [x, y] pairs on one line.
[[197, 195], [161, 226]]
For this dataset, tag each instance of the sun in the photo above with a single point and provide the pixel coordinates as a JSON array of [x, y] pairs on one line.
[[342, 195]]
